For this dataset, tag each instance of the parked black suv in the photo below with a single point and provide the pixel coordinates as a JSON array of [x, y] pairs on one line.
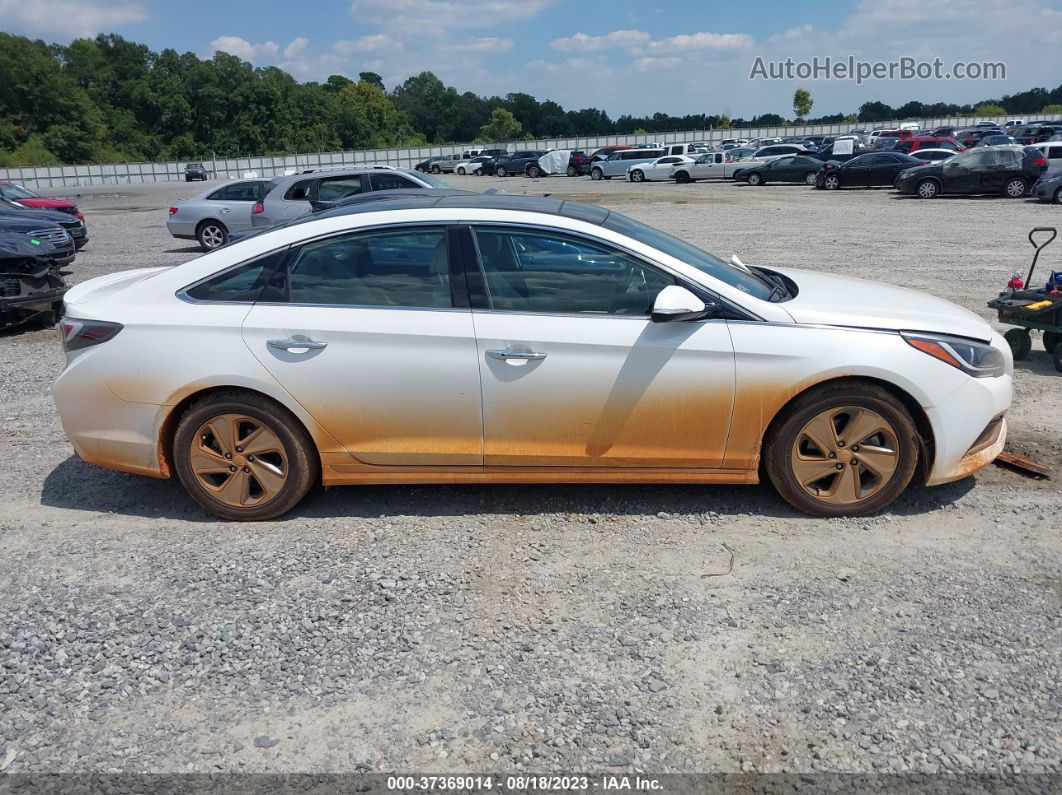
[[516, 163], [1009, 170], [195, 171]]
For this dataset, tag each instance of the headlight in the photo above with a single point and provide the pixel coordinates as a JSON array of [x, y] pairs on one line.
[[973, 358]]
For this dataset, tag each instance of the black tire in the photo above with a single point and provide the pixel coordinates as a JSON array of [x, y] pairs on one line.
[[1056, 357], [534, 172], [637, 175], [927, 189], [461, 171], [1015, 188], [1051, 340], [831, 182], [755, 179], [596, 174], [811, 178], [683, 178], [301, 463], [187, 177], [787, 428], [211, 234], [1020, 343], [1058, 196], [500, 171], [436, 170], [572, 171]]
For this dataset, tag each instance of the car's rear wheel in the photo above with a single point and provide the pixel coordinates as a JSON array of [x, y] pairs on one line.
[[534, 172], [243, 457], [927, 189], [436, 170], [810, 178], [211, 235], [572, 171], [500, 171], [637, 176], [1051, 340], [755, 179], [596, 174], [1056, 357], [1015, 188], [832, 182], [843, 450], [1020, 343]]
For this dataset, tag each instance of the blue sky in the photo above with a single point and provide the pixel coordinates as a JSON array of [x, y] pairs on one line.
[[622, 56]]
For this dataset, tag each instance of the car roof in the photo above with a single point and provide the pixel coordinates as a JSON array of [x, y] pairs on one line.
[[338, 172], [443, 199]]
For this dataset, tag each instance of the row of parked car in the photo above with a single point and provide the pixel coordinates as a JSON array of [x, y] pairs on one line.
[[39, 238]]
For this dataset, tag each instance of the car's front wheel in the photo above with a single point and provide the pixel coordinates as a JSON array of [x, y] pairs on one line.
[[500, 171], [212, 235], [534, 172], [596, 174], [927, 189], [244, 457], [1058, 196], [683, 178], [832, 182], [461, 171], [436, 170], [1015, 188], [755, 179], [845, 449], [637, 176], [572, 171]]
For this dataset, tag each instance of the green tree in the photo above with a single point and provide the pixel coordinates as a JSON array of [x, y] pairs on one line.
[[802, 103], [990, 109], [876, 111], [372, 79], [1052, 110], [502, 126]]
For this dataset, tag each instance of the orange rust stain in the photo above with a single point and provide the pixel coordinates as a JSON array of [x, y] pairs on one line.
[[974, 462]]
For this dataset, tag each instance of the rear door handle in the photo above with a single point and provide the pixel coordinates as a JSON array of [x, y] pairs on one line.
[[297, 341], [509, 354]]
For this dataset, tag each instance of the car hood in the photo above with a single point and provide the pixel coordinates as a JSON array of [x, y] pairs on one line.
[[923, 170], [47, 204], [826, 299]]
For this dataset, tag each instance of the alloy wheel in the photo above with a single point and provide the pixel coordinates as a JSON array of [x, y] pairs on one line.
[[238, 460], [212, 236], [927, 189], [845, 455], [809, 178], [832, 183]]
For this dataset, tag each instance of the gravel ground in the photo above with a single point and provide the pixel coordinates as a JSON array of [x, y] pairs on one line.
[[545, 628]]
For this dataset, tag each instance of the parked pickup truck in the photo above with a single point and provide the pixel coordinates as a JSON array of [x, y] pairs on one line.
[[713, 165]]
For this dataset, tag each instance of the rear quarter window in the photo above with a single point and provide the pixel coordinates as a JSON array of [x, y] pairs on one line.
[[240, 284]]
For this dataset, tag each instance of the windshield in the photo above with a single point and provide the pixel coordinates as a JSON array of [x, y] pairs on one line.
[[689, 254], [434, 181], [16, 192]]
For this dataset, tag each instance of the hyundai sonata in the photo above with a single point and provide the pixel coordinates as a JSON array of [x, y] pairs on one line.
[[505, 339]]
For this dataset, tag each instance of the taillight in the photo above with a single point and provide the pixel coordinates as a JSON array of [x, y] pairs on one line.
[[258, 208], [78, 334], [1040, 162], [173, 211]]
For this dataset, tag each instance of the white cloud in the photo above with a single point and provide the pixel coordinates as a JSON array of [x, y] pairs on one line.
[[266, 51], [704, 41], [371, 43], [70, 17], [296, 47], [474, 13], [793, 34], [488, 45], [581, 42], [649, 64]]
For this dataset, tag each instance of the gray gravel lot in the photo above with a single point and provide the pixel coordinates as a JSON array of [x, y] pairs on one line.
[[544, 627]]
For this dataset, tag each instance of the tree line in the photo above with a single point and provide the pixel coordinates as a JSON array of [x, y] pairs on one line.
[[108, 99]]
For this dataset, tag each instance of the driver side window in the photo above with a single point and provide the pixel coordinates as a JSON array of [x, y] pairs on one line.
[[532, 271]]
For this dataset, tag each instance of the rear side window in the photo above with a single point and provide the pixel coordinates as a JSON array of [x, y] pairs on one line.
[[241, 284], [334, 188], [240, 192], [300, 191], [397, 267]]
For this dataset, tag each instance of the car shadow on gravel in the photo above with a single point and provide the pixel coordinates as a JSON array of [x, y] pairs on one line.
[[196, 249], [76, 485]]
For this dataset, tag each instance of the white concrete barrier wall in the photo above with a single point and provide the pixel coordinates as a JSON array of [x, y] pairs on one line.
[[270, 166]]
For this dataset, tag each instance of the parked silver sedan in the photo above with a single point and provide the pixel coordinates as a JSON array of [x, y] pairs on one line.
[[217, 211]]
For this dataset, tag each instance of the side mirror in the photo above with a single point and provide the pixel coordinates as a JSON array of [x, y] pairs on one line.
[[678, 303]]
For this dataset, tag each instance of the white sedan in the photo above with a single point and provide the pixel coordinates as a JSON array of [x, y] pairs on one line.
[[657, 170], [465, 338]]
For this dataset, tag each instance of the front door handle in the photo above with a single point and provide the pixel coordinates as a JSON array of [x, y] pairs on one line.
[[509, 354], [297, 342]]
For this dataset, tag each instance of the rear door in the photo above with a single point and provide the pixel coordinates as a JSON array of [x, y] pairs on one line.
[[232, 204], [371, 332]]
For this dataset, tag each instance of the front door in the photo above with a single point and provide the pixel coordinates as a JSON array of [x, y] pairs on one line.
[[575, 374], [369, 333]]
